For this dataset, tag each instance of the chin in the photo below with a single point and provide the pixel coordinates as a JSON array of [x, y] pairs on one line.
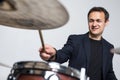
[[95, 33]]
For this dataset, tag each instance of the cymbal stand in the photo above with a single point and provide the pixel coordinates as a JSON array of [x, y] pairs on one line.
[[5, 65]]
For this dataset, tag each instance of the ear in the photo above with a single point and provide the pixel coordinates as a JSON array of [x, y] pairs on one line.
[[106, 23]]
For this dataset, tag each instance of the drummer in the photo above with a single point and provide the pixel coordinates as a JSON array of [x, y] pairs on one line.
[[89, 50]]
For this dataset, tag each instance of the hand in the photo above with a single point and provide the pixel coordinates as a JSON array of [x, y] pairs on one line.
[[47, 52]]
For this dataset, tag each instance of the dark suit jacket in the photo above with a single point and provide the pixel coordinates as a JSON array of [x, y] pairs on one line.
[[77, 51]]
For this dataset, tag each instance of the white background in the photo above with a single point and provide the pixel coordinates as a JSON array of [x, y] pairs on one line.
[[23, 45]]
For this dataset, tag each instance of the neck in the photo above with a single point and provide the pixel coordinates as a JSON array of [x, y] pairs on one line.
[[95, 37]]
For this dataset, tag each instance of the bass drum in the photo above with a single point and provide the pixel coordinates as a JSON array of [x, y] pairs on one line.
[[34, 70]]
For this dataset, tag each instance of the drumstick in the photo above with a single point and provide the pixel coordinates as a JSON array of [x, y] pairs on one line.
[[116, 50], [41, 38], [4, 65]]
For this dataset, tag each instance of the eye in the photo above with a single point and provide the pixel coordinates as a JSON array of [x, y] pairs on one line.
[[90, 20], [99, 21]]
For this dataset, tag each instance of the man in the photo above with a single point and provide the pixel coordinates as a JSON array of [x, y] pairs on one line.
[[88, 50]]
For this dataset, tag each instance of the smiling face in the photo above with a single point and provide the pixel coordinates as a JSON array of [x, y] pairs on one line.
[[96, 23]]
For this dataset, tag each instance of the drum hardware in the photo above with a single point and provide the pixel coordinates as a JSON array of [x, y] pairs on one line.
[[83, 75], [5, 65]]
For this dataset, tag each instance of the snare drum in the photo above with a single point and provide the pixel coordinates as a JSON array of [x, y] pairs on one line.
[[34, 70]]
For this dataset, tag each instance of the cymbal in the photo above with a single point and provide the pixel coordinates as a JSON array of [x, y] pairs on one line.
[[116, 50], [33, 14]]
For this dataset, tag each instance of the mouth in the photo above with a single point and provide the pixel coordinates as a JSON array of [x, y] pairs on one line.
[[95, 28]]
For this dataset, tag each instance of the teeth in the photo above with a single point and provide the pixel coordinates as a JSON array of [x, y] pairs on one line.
[[94, 28]]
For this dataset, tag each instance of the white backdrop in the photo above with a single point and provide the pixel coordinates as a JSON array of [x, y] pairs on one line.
[[22, 45]]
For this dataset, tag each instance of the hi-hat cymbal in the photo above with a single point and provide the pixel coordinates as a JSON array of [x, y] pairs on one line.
[[33, 14]]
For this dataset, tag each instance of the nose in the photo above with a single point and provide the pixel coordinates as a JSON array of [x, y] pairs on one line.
[[94, 23]]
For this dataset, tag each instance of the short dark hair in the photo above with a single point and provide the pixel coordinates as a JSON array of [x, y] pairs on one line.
[[99, 9]]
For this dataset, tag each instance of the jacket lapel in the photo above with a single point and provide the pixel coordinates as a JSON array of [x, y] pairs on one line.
[[105, 58], [86, 45]]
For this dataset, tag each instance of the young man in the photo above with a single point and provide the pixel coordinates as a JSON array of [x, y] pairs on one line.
[[88, 50]]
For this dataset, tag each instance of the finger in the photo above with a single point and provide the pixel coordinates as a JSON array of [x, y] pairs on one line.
[[45, 56], [41, 50]]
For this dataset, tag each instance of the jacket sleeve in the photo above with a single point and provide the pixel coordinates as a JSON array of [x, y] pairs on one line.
[[63, 55], [110, 73]]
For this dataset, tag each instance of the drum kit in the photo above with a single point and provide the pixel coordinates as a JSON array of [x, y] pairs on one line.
[[37, 15]]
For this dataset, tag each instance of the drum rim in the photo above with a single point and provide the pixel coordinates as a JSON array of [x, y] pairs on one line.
[[58, 68]]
